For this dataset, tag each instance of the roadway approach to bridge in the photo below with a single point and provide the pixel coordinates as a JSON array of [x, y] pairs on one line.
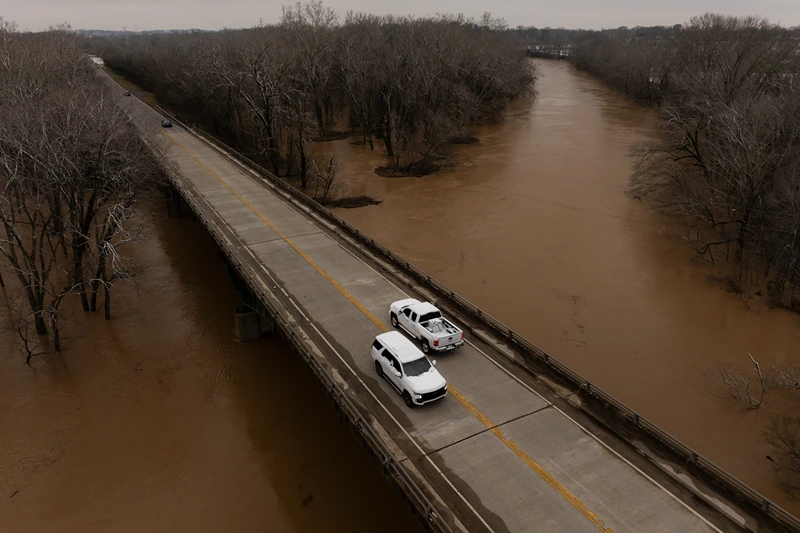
[[505, 450]]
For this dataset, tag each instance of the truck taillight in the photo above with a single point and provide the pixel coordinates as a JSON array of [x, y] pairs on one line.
[[436, 342], [462, 334]]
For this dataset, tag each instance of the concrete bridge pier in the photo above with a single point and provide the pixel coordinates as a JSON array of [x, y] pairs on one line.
[[176, 205], [251, 325]]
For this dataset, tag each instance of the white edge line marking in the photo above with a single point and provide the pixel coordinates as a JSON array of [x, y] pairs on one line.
[[603, 444], [299, 311]]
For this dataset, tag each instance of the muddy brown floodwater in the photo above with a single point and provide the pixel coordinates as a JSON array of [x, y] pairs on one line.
[[533, 224], [160, 420]]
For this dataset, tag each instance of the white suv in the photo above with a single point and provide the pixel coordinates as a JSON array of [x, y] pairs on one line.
[[407, 369]]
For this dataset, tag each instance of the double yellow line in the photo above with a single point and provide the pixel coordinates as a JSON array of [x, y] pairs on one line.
[[571, 498]]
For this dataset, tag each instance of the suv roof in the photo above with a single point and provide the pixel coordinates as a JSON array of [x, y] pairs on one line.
[[403, 348]]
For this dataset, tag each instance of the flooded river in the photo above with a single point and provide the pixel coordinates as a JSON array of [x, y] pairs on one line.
[[160, 420], [533, 224]]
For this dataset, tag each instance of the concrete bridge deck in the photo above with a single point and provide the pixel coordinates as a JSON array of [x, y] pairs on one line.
[[501, 452]]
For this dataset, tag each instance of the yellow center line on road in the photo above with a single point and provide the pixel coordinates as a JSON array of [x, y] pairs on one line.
[[571, 498]]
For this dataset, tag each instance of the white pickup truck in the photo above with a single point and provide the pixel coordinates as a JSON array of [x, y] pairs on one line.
[[423, 321]]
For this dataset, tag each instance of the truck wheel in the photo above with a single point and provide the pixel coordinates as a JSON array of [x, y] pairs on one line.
[[378, 369], [407, 398], [425, 346], [394, 320]]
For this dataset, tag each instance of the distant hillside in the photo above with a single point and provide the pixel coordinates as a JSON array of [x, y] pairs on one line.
[[120, 33]]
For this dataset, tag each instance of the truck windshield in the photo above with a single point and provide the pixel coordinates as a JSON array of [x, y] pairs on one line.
[[417, 367], [429, 316]]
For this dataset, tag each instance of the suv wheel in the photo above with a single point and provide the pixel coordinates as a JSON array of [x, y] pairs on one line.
[[394, 320], [407, 398], [378, 369]]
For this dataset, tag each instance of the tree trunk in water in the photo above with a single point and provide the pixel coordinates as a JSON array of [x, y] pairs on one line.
[[319, 121], [77, 273], [303, 164], [85, 301], [56, 332], [741, 238], [101, 268], [36, 301], [387, 137], [289, 156], [41, 325], [107, 304], [274, 160], [94, 295], [272, 144]]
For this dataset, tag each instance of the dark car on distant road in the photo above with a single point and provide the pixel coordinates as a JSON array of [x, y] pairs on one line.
[[166, 124]]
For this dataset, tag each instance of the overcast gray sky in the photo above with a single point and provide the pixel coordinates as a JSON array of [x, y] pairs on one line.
[[210, 14]]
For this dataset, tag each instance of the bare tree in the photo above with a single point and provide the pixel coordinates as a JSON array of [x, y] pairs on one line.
[[257, 69], [787, 378], [739, 385], [325, 179], [17, 322], [310, 30]]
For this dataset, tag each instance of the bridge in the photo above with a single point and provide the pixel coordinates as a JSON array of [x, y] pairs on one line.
[[551, 51], [521, 443]]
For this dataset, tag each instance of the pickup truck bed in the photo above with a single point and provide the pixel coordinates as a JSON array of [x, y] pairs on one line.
[[423, 321]]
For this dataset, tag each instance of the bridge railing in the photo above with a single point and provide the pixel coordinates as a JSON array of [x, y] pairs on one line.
[[699, 464]]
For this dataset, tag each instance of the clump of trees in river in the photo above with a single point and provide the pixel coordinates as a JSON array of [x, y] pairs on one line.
[[405, 85], [72, 167]]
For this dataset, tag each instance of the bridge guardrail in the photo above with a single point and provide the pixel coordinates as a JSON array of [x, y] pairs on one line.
[[689, 456]]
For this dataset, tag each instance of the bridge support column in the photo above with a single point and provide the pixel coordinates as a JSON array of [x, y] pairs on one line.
[[176, 205], [251, 325]]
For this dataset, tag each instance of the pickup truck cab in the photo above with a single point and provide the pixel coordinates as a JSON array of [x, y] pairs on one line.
[[423, 321], [407, 369]]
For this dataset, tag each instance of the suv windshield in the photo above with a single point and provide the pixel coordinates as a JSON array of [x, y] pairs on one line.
[[429, 316], [417, 367]]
